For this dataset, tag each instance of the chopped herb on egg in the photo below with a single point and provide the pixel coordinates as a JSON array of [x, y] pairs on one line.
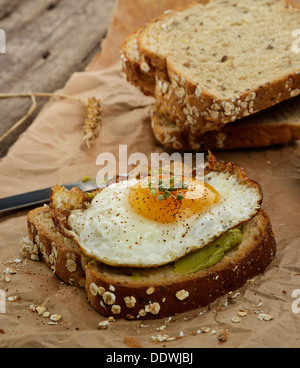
[[167, 189]]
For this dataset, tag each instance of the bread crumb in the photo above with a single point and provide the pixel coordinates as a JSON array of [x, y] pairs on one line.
[[32, 308], [55, 318], [265, 317], [40, 310], [236, 320], [10, 271], [242, 314], [162, 338], [12, 299], [104, 325], [223, 336]]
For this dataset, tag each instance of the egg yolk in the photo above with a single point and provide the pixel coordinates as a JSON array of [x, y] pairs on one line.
[[166, 200]]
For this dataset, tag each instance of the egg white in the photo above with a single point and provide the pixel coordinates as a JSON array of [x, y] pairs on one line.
[[110, 231]]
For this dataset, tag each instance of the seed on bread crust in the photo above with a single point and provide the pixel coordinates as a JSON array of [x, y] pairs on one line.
[[94, 289], [145, 67], [150, 290], [152, 308], [101, 291], [71, 266], [130, 301], [198, 92], [142, 313], [109, 298], [182, 295], [116, 309]]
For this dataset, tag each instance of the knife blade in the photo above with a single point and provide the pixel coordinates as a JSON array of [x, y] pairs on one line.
[[39, 197]]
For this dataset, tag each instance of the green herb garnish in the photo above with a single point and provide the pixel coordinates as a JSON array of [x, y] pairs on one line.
[[167, 188], [167, 194], [153, 192], [160, 198]]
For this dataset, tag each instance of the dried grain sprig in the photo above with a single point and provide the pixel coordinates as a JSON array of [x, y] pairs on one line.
[[21, 121], [93, 121], [40, 94]]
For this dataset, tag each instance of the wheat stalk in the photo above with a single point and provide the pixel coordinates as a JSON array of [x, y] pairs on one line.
[[93, 119], [21, 121]]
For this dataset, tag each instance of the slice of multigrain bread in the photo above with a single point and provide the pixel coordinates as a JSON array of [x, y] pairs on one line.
[[59, 253], [161, 292], [148, 293], [130, 59], [276, 126], [225, 60], [173, 129]]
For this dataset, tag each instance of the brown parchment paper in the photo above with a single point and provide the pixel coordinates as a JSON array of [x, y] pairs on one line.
[[50, 152]]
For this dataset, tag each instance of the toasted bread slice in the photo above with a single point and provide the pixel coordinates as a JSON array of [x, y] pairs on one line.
[[216, 73], [151, 293], [276, 126]]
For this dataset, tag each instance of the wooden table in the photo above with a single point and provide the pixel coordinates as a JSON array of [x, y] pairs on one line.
[[46, 41]]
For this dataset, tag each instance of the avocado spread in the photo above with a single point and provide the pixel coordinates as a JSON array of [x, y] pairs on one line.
[[209, 255], [194, 262]]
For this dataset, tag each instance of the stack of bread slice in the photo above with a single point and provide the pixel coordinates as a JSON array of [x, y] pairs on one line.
[[217, 69]]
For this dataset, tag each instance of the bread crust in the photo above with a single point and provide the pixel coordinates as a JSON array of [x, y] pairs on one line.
[[164, 298], [59, 253], [232, 136], [143, 80]]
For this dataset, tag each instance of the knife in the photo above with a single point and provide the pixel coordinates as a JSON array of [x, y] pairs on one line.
[[39, 197]]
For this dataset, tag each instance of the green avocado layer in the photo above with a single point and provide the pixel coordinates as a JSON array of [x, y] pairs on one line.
[[192, 263], [209, 255]]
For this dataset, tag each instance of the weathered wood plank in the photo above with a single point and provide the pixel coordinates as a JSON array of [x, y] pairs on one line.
[[47, 40]]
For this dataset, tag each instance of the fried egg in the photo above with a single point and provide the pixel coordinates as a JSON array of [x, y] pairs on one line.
[[146, 224]]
